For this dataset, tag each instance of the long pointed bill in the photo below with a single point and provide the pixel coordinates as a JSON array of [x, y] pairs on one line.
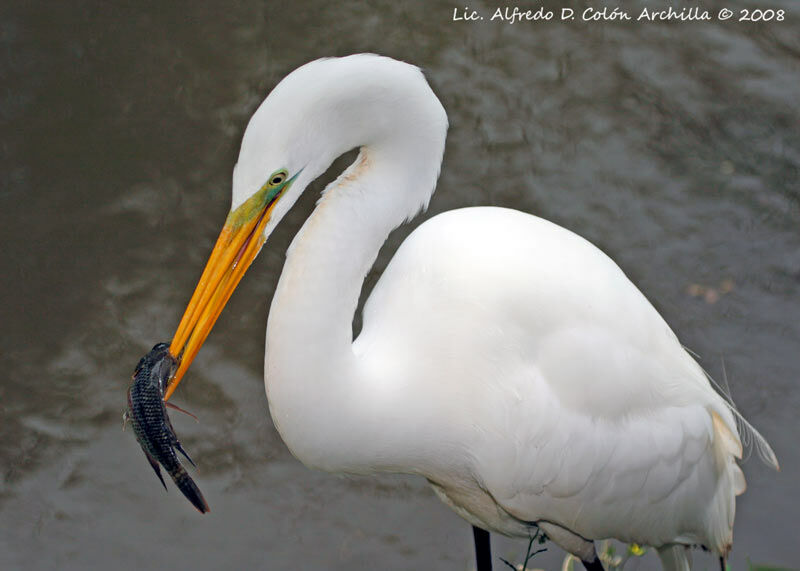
[[239, 241]]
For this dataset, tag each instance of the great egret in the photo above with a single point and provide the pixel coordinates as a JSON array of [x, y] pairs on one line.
[[505, 359]]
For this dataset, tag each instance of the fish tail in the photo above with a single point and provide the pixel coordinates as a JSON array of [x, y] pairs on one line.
[[189, 489]]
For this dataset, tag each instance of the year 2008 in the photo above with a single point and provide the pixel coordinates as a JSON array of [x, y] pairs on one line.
[[757, 15]]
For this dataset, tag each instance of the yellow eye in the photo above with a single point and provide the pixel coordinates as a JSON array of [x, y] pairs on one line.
[[277, 178]]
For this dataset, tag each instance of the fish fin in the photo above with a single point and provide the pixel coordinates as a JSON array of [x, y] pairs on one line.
[[180, 449], [189, 489], [179, 409], [156, 468]]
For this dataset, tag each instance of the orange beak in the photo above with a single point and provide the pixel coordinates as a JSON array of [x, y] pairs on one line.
[[238, 244]]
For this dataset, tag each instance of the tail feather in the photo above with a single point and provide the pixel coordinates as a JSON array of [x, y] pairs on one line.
[[748, 434], [751, 436], [747, 431]]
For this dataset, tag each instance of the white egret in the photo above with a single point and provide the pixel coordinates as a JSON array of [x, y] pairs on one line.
[[505, 359]]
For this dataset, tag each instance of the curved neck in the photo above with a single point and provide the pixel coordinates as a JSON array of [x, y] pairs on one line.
[[321, 401], [328, 259]]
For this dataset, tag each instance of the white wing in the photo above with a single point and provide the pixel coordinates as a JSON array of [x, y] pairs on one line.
[[554, 374]]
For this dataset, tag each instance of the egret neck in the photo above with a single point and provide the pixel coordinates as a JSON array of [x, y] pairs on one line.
[[309, 363]]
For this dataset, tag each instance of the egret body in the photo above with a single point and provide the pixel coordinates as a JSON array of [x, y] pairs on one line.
[[505, 359]]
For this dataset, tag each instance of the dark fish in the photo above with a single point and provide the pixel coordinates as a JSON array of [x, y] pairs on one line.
[[147, 413]]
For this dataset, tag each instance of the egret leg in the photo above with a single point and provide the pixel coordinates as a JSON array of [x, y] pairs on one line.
[[483, 549], [593, 565], [573, 543], [675, 558]]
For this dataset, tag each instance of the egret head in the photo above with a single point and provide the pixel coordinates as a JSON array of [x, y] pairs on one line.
[[317, 113]]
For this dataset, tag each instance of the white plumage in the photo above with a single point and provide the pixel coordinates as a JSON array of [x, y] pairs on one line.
[[505, 359]]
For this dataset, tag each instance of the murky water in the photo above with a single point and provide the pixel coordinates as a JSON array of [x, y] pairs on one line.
[[674, 147]]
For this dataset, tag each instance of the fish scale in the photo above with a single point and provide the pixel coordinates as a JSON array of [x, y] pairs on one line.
[[147, 412]]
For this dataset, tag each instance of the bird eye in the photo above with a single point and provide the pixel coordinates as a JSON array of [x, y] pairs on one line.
[[277, 178]]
